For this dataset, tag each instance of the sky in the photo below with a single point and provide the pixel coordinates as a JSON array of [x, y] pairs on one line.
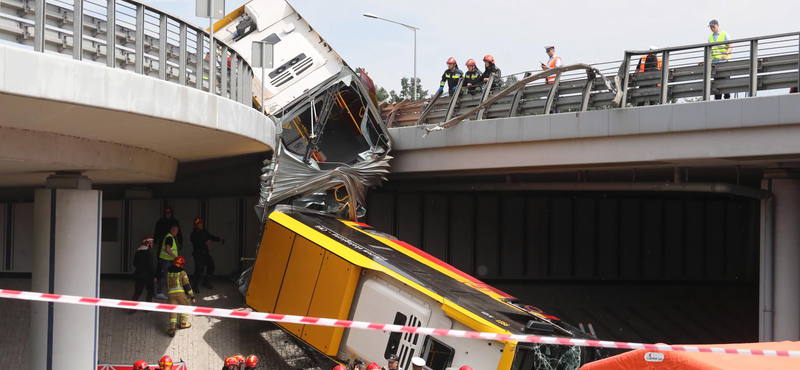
[[514, 32]]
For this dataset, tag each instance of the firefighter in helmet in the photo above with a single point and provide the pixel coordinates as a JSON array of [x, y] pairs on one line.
[[165, 363], [451, 76], [231, 363], [179, 292], [140, 365], [240, 360], [250, 362], [491, 69], [472, 78]]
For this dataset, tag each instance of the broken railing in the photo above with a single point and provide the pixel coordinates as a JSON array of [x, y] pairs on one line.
[[131, 35], [756, 64]]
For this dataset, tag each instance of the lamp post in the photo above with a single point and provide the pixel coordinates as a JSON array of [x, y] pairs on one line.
[[415, 29]]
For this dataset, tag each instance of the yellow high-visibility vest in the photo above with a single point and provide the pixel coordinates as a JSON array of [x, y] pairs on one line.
[[164, 255], [718, 51]]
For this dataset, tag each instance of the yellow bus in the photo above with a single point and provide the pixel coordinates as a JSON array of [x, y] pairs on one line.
[[313, 264]]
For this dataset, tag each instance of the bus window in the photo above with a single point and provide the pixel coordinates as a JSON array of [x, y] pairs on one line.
[[437, 355], [546, 357], [394, 338]]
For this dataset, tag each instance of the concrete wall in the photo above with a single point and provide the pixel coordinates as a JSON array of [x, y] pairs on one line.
[[578, 236], [125, 222]]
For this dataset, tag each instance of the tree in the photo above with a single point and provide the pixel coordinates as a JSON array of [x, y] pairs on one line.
[[382, 94], [407, 91], [510, 80]]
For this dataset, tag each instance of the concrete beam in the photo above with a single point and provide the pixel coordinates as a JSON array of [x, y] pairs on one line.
[[732, 146], [27, 157]]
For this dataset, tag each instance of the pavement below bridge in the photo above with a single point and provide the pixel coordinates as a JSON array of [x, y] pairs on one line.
[[124, 338]]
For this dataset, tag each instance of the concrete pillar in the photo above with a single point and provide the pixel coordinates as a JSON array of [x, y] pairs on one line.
[[785, 186], [66, 261]]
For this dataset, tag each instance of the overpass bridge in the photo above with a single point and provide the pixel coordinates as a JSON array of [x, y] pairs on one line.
[[96, 92]]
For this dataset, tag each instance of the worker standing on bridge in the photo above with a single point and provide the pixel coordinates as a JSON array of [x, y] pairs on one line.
[[451, 75], [648, 63], [553, 62], [203, 263], [719, 53], [180, 292], [472, 78], [491, 69]]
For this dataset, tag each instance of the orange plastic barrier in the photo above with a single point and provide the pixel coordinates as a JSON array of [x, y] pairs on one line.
[[641, 359]]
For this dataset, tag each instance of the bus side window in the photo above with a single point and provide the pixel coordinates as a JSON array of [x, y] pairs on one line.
[[437, 355], [394, 338]]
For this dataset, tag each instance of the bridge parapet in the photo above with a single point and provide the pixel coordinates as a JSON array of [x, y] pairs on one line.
[[756, 64], [130, 35]]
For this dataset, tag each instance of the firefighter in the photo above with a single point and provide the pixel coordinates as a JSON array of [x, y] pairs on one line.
[[231, 363], [465, 367], [451, 75], [140, 365], [472, 78], [340, 367], [165, 363], [491, 69], [240, 360], [144, 274], [203, 263], [373, 366], [180, 292], [250, 362]]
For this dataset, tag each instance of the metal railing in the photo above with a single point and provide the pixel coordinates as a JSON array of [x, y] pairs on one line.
[[129, 35], [756, 64]]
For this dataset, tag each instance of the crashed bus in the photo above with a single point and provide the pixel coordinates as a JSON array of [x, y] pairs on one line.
[[316, 259]]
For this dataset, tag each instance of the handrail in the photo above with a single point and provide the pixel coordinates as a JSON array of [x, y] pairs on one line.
[[686, 73], [146, 40]]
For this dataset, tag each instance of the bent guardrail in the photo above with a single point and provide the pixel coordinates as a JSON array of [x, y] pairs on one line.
[[757, 64], [130, 35]]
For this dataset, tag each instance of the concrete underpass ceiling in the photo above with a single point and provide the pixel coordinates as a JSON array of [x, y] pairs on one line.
[[43, 136]]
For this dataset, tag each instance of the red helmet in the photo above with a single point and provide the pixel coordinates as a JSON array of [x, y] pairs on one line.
[[165, 363], [147, 240], [179, 261], [465, 367], [198, 220], [451, 60], [251, 361], [488, 58], [373, 366], [231, 361], [471, 62], [340, 367], [239, 358], [140, 365], [168, 209]]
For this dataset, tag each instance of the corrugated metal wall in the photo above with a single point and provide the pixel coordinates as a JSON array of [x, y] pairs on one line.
[[586, 236]]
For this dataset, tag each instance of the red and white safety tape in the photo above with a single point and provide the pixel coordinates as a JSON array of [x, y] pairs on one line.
[[260, 316]]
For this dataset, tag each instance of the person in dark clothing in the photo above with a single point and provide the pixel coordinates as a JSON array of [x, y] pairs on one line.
[[491, 69], [451, 76], [648, 63], [144, 273], [203, 263], [164, 224], [472, 79]]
